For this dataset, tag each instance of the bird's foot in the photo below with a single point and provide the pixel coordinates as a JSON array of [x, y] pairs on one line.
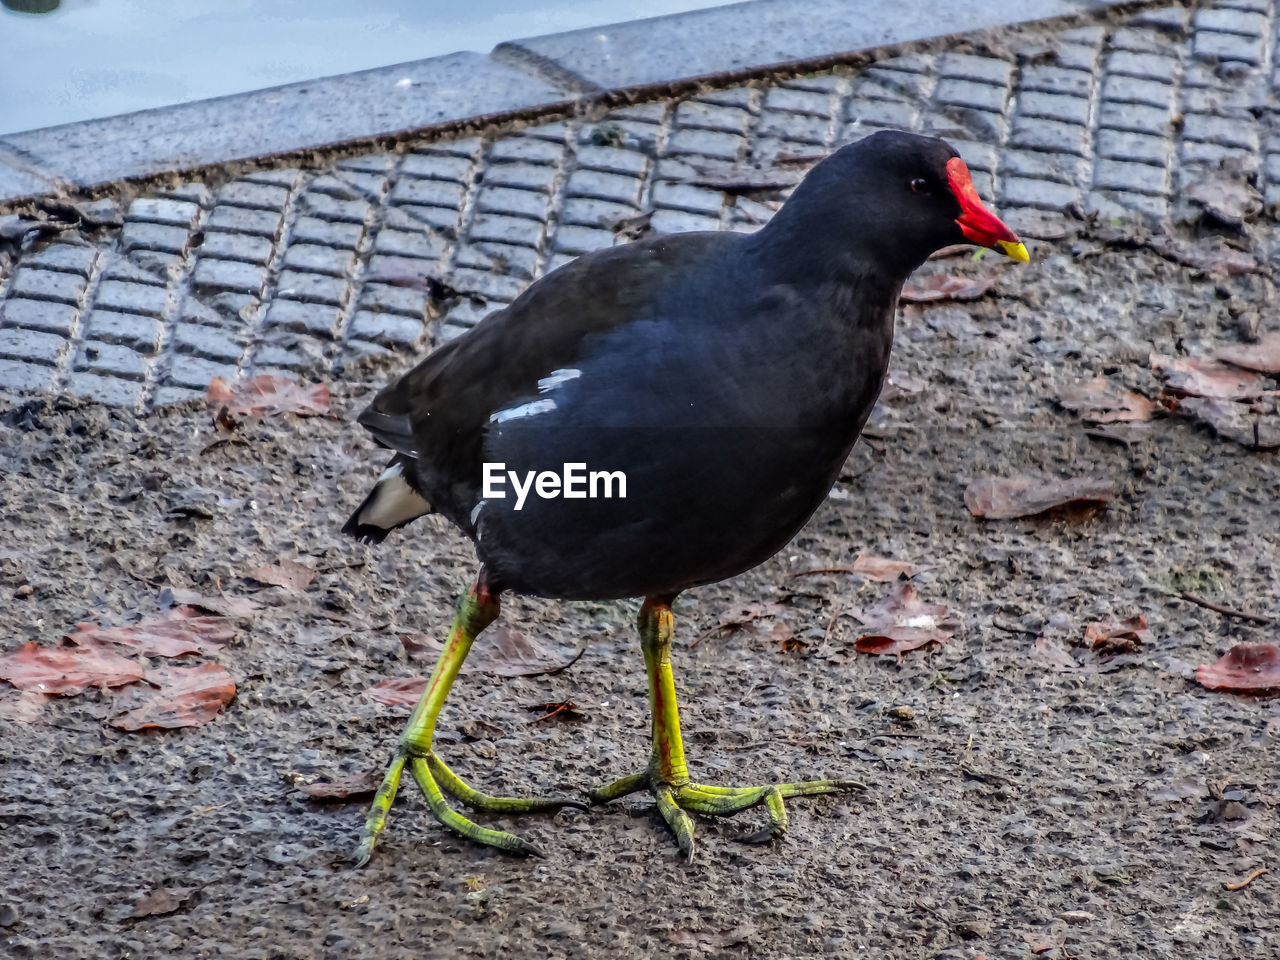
[[436, 779], [676, 800]]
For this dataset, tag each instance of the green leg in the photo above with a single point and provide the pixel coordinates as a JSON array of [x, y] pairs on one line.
[[477, 609], [667, 775]]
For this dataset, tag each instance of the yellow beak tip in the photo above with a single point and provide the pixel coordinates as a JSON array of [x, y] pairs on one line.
[[1014, 251]]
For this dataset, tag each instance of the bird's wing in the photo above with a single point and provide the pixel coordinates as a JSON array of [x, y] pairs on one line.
[[438, 411]]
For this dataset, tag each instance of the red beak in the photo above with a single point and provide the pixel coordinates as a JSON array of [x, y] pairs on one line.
[[978, 223]]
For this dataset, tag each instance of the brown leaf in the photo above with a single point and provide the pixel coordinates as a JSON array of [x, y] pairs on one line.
[[713, 941], [1227, 199], [899, 621], [1207, 378], [946, 287], [1219, 261], [1256, 426], [740, 617], [175, 633], [398, 691], [184, 697], [162, 901], [222, 605], [1108, 638], [1001, 498], [1054, 654], [351, 787], [502, 652], [24, 707], [1101, 401], [870, 567], [562, 710], [266, 396], [1246, 668], [287, 573], [1263, 356], [65, 671]]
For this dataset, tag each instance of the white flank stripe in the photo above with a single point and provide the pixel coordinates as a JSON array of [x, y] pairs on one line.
[[557, 377], [394, 502], [530, 409], [476, 512], [395, 470]]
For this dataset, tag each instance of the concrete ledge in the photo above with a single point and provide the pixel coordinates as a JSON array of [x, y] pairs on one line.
[[521, 78], [764, 33]]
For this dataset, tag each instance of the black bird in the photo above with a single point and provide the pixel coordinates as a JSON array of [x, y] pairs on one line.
[[656, 416]]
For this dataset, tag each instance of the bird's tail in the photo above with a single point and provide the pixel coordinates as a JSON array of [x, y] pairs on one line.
[[391, 503]]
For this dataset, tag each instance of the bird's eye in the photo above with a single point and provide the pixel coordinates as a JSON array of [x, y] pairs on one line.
[[919, 185]]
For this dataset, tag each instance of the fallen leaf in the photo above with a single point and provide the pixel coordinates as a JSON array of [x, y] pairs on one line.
[[1185, 789], [713, 941], [64, 671], [1256, 426], [1263, 356], [1220, 261], [899, 621], [740, 617], [564, 710], [1101, 401], [398, 691], [1246, 668], [1027, 495], [1207, 378], [1109, 638], [785, 638], [183, 697], [287, 573], [500, 651], [350, 787], [1226, 199], [1127, 433], [222, 605], [266, 396], [1054, 654], [24, 706], [870, 567], [944, 287], [162, 901], [175, 633]]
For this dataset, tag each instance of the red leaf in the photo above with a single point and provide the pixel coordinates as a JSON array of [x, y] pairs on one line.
[[1108, 637], [941, 286], [1101, 401], [185, 697], [266, 396], [173, 634], [398, 691], [998, 498], [287, 573], [1207, 378], [353, 786], [1246, 668], [899, 622], [66, 670], [1263, 356]]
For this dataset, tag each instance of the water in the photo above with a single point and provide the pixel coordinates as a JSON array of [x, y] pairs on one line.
[[96, 58]]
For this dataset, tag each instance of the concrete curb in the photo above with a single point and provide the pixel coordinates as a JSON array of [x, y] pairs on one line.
[[520, 79]]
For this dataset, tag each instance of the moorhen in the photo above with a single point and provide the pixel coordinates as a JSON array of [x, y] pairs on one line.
[[655, 416]]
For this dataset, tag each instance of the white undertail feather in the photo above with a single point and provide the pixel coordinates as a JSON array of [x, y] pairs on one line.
[[392, 501]]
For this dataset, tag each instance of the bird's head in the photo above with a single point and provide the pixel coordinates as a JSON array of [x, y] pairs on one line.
[[900, 196]]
